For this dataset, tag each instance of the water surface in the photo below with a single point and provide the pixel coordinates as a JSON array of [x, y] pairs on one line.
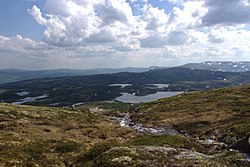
[[30, 99], [130, 98]]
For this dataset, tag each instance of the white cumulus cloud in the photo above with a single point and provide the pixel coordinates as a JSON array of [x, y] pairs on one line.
[[83, 33]]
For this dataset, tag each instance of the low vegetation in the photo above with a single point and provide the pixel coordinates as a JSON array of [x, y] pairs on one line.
[[90, 135], [222, 114], [42, 136]]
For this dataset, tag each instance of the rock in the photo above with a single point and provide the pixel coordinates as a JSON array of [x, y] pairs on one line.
[[242, 144], [160, 156], [242, 163], [121, 159], [187, 154], [4, 125], [165, 150]]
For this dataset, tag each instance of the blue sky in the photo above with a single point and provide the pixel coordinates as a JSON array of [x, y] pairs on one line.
[[49, 34], [16, 20]]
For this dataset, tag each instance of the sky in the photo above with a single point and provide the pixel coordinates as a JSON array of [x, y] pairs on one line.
[[85, 34]]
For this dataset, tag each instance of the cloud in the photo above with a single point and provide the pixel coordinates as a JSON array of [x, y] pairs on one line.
[[83, 33], [174, 38], [111, 12], [177, 38], [226, 12], [154, 18], [216, 36], [155, 41], [20, 44], [80, 23], [103, 36], [74, 23], [36, 13]]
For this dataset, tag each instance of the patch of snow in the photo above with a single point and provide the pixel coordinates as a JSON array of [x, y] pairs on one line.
[[78, 104], [235, 66], [160, 86], [121, 85]]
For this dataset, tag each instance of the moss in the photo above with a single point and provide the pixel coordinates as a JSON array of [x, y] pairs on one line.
[[241, 127], [49, 136], [37, 149], [199, 112], [229, 158], [66, 146], [95, 151]]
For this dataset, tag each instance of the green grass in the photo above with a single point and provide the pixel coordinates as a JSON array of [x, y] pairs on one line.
[[48, 136], [67, 146], [199, 112]]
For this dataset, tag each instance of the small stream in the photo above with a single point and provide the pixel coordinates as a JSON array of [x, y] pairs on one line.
[[126, 122]]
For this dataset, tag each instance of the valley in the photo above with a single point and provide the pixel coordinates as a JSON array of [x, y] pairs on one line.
[[66, 91], [161, 117]]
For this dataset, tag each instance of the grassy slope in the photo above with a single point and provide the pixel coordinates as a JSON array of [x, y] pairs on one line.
[[41, 136], [209, 114]]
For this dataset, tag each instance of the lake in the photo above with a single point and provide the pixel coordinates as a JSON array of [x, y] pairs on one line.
[[130, 98], [29, 99]]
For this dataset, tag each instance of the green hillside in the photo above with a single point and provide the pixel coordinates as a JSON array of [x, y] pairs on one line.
[[222, 114]]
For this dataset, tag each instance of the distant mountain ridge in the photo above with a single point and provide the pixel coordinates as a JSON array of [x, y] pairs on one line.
[[224, 66], [15, 75]]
